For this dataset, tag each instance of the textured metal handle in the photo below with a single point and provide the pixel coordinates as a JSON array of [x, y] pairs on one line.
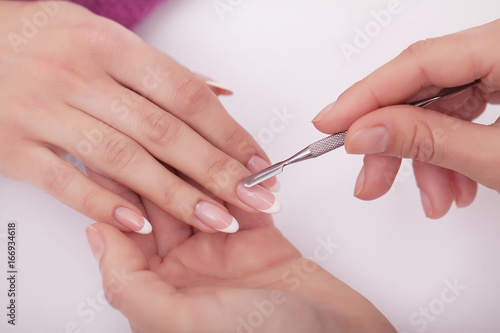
[[327, 144]]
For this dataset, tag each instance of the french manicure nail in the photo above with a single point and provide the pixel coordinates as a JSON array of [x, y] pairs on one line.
[[323, 112], [426, 203], [276, 187], [214, 84], [256, 164], [96, 242], [259, 198], [360, 182], [216, 217], [373, 140], [132, 220], [218, 85]]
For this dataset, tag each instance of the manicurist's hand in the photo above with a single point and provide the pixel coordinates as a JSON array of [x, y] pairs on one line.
[[73, 82], [177, 280], [450, 153]]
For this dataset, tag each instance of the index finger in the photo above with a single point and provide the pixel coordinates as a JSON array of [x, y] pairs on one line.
[[175, 89], [446, 61]]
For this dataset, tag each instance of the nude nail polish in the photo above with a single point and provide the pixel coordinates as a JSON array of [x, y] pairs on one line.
[[132, 220], [258, 198], [216, 217]]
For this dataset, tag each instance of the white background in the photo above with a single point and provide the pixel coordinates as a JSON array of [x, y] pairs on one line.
[[285, 55]]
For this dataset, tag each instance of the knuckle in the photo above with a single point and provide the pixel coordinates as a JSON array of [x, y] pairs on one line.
[[90, 203], [221, 173], [421, 146], [161, 129], [57, 179], [190, 95], [240, 139], [96, 33], [56, 72], [173, 195], [99, 36], [417, 48], [119, 152]]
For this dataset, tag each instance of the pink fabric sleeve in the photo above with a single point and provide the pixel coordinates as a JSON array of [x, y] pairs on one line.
[[126, 12]]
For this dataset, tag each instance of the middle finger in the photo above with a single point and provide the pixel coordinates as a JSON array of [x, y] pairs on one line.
[[175, 143]]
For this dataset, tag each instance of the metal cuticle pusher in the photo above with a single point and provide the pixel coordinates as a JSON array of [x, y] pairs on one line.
[[336, 140]]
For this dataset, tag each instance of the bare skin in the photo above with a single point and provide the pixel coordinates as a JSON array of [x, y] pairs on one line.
[[184, 281], [450, 153]]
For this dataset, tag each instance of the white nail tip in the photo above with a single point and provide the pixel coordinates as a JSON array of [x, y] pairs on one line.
[[232, 228], [218, 85], [275, 208], [146, 229]]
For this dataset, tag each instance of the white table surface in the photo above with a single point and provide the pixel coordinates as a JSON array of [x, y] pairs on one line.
[[285, 56]]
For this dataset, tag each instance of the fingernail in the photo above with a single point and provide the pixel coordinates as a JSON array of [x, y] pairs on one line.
[[323, 112], [276, 187], [132, 220], [96, 242], [360, 182], [214, 84], [373, 140], [259, 198], [460, 202], [224, 89], [426, 203], [256, 164], [216, 217]]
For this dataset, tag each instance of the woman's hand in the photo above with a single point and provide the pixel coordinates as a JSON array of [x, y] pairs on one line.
[[450, 152], [177, 280], [73, 82]]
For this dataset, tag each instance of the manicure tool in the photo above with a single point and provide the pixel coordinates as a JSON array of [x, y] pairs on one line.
[[336, 140]]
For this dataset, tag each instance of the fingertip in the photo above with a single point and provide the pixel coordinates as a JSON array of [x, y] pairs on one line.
[[426, 204], [333, 119], [95, 241], [146, 228], [376, 177], [219, 88], [436, 192], [464, 188], [435, 206], [323, 113], [132, 220], [360, 182], [232, 228], [463, 200]]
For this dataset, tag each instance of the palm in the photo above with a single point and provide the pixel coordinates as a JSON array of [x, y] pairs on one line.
[[227, 273], [226, 281], [191, 260]]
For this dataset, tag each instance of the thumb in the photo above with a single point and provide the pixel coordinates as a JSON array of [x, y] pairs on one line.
[[430, 137], [129, 285]]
